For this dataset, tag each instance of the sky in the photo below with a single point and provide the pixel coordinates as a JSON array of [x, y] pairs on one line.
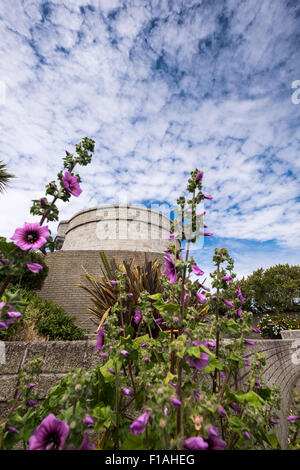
[[162, 87]]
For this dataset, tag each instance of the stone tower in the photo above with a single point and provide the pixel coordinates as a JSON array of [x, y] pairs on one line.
[[123, 232]]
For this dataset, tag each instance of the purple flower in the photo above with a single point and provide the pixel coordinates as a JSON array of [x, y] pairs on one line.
[[31, 403], [86, 444], [246, 434], [172, 236], [246, 361], [126, 391], [215, 443], [199, 175], [139, 425], [49, 435], [195, 443], [4, 261], [3, 325], [121, 330], [34, 267], [88, 420], [197, 396], [175, 401], [207, 196], [214, 297], [100, 339], [124, 352], [12, 430], [201, 297], [273, 421], [257, 384], [137, 316], [113, 283], [229, 304], [197, 270], [142, 345], [226, 278], [71, 184], [104, 354], [293, 418], [221, 410], [200, 362], [175, 319], [14, 315], [31, 385], [208, 234], [213, 431], [240, 295], [170, 269], [239, 312], [235, 407], [30, 236], [43, 202], [249, 342], [146, 359], [111, 371]]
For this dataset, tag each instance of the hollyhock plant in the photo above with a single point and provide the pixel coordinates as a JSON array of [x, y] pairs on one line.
[[170, 269], [31, 236], [199, 363], [49, 435], [71, 184]]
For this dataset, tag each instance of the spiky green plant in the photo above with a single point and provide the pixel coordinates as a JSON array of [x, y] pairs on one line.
[[146, 277]]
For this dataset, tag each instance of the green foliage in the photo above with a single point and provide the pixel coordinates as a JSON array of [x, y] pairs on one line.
[[19, 274], [49, 319], [279, 322], [273, 290]]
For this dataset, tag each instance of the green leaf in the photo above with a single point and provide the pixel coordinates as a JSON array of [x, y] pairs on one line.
[[134, 442], [251, 398], [273, 441]]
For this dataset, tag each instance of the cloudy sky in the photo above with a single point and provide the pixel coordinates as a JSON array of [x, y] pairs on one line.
[[162, 87]]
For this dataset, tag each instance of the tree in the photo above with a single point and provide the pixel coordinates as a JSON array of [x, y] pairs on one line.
[[4, 177], [274, 290]]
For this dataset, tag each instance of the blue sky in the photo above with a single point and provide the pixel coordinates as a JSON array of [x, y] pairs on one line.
[[163, 87]]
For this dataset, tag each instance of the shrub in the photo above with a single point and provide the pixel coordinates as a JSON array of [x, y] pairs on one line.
[[276, 289], [49, 319]]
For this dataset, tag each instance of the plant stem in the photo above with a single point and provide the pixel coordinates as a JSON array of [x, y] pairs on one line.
[[217, 334], [179, 394]]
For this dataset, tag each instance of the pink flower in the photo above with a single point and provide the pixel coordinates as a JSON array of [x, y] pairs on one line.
[[71, 184], [197, 271], [199, 175], [170, 269], [139, 425], [229, 304], [30, 236], [240, 295], [201, 297], [207, 196], [208, 234], [172, 236], [226, 278], [49, 435], [175, 401], [34, 267], [195, 443]]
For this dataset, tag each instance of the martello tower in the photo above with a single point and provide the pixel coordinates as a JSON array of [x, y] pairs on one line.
[[123, 232]]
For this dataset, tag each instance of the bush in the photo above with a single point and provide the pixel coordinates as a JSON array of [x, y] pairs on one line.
[[279, 322], [276, 289], [49, 319]]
